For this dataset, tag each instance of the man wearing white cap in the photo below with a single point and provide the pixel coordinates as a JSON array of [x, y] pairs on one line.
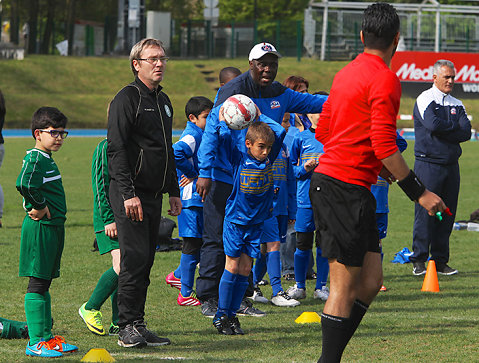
[[215, 179]]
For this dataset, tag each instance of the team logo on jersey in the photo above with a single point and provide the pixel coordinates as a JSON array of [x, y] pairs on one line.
[[168, 111], [453, 111], [275, 104], [266, 48]]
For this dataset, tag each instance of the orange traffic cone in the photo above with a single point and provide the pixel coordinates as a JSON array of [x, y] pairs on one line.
[[430, 283]]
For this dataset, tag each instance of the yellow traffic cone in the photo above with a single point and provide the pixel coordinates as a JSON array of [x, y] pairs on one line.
[[98, 355]]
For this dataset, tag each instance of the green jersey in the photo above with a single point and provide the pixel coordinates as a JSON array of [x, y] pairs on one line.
[[40, 184], [100, 182]]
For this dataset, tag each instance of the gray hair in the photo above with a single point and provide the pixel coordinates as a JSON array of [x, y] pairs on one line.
[[136, 50], [442, 63]]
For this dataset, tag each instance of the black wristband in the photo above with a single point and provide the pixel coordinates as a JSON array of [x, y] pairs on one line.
[[412, 186]]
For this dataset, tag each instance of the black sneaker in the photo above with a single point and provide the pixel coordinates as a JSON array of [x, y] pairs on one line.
[[263, 282], [247, 309], [444, 269], [130, 337], [152, 340], [419, 268], [209, 308], [223, 325], [236, 326]]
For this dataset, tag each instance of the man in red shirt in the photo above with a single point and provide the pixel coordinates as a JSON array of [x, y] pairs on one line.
[[358, 130]]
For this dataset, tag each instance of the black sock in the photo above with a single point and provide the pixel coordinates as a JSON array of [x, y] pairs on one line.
[[357, 313], [335, 337]]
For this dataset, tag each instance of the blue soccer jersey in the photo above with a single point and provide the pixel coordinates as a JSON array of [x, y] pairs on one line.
[[305, 147], [186, 150], [251, 200], [284, 202]]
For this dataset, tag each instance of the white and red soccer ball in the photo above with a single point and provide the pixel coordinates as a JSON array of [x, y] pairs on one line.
[[239, 111]]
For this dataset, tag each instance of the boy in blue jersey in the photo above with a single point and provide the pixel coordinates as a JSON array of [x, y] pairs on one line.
[[248, 206], [380, 190], [305, 154], [275, 229], [190, 220]]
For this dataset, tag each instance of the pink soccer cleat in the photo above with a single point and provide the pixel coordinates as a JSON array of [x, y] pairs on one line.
[[173, 281], [188, 301]]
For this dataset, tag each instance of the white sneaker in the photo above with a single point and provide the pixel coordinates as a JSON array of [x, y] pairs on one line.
[[283, 299], [258, 296], [321, 294], [296, 293]]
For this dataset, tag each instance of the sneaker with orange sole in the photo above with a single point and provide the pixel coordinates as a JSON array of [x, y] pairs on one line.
[[173, 281], [383, 288], [191, 300]]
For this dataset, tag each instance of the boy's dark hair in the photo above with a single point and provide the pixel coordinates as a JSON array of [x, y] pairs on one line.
[[228, 73], [380, 26], [293, 82], [260, 130], [197, 105], [45, 117]]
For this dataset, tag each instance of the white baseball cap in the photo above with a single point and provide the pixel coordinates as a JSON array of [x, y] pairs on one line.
[[261, 49]]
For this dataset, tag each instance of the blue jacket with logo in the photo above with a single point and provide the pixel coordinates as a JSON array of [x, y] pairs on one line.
[[440, 124], [273, 101], [186, 149], [305, 147]]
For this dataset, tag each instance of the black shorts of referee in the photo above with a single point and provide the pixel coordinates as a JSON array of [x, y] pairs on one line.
[[345, 215]]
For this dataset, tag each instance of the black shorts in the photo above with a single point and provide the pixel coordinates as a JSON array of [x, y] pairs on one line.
[[345, 215]]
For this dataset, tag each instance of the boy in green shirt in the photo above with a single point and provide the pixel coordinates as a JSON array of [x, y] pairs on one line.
[[107, 239], [43, 230]]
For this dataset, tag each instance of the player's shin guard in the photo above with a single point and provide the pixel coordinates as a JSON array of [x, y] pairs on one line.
[[301, 262], [259, 268], [273, 262], [35, 313], [105, 286], [188, 267], [47, 328], [335, 337], [358, 311], [241, 284], [322, 266], [225, 292]]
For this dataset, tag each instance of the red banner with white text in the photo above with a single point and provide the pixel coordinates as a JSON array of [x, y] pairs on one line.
[[415, 70]]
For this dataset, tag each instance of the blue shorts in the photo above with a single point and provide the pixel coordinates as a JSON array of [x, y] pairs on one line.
[[275, 229], [190, 222], [238, 239], [382, 222], [304, 220]]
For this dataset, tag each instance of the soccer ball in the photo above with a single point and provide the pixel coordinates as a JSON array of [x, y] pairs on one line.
[[239, 111]]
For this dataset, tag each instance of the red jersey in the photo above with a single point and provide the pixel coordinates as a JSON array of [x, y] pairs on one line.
[[358, 123]]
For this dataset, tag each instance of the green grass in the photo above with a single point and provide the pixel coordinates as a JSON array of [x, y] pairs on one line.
[[83, 87], [403, 324]]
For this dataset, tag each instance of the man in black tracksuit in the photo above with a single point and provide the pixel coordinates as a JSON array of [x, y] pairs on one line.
[[142, 167]]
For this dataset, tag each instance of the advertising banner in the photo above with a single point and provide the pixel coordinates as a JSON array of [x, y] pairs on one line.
[[415, 70]]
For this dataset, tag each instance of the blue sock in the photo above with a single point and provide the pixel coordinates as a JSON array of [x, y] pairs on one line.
[[274, 271], [177, 272], [240, 287], [381, 250], [188, 268], [301, 263], [259, 268], [323, 269], [225, 292]]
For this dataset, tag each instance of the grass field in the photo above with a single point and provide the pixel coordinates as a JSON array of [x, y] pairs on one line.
[[82, 87], [403, 324]]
